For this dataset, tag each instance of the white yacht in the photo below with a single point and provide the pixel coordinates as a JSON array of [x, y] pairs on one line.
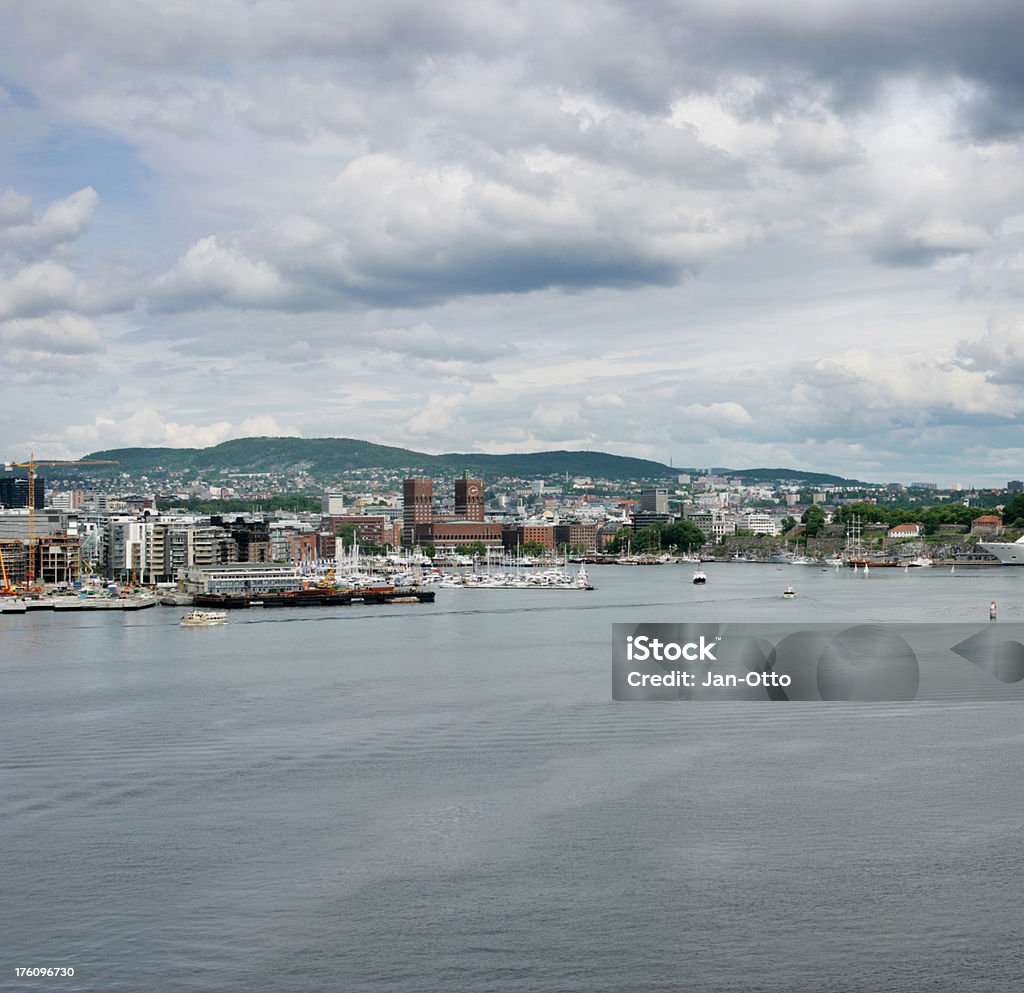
[[699, 578], [1008, 552]]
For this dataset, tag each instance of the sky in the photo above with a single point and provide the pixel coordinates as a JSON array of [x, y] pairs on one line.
[[707, 232]]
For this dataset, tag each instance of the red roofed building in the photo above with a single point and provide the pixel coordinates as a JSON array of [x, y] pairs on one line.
[[914, 530], [988, 525]]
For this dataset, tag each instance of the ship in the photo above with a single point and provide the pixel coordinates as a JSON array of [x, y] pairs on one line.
[[1008, 552], [204, 618]]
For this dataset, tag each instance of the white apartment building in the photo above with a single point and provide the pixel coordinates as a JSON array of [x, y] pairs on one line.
[[759, 522], [714, 523]]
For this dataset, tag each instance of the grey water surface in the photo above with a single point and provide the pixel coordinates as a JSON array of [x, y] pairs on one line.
[[445, 798]]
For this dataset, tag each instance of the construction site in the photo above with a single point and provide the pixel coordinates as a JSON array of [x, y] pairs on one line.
[[33, 554]]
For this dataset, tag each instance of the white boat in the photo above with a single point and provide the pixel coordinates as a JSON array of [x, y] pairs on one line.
[[921, 562], [789, 593], [699, 579], [1008, 552], [204, 618]]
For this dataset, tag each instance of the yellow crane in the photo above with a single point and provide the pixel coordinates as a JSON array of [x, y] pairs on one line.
[[6, 589], [31, 465]]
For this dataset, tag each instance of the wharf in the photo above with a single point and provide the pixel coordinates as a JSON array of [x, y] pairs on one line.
[[23, 604]]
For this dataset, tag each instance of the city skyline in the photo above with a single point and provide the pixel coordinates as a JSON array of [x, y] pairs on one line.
[[694, 233]]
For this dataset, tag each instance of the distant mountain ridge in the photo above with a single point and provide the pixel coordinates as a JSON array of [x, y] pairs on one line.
[[324, 458]]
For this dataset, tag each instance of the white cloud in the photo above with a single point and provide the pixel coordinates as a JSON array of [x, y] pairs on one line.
[[148, 427], [210, 273], [63, 221], [66, 334], [725, 413]]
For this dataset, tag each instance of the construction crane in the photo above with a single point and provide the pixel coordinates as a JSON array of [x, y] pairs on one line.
[[31, 465], [6, 589]]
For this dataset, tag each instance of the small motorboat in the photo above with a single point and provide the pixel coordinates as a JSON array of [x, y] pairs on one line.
[[699, 579], [789, 593], [204, 618]]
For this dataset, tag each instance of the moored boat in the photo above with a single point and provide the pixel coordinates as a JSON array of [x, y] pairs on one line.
[[1007, 552]]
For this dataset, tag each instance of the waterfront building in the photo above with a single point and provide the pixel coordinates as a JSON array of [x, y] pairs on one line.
[[514, 536], [759, 522], [240, 577], [714, 523], [15, 557], [451, 534], [371, 529], [417, 507], [648, 518], [987, 526], [57, 560], [302, 547], [469, 499], [606, 534], [913, 530], [577, 535]]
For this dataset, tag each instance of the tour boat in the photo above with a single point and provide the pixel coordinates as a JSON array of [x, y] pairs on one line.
[[204, 618]]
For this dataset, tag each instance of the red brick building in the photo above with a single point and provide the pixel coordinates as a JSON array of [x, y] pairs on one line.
[[451, 534], [417, 507], [371, 529], [516, 535]]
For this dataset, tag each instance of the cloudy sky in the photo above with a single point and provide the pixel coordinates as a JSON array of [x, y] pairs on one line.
[[706, 231]]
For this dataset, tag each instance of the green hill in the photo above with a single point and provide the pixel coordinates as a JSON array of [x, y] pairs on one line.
[[329, 458]]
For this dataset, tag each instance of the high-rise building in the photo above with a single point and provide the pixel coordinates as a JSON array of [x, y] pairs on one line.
[[417, 507], [14, 491], [654, 501], [332, 503], [469, 499]]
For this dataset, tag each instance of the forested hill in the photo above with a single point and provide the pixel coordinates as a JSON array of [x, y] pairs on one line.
[[326, 458]]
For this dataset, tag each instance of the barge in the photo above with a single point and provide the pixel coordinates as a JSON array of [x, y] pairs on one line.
[[314, 597]]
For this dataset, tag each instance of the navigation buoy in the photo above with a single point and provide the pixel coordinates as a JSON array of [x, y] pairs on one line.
[[992, 611]]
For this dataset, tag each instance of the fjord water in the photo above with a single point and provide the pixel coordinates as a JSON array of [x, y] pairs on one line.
[[444, 797]]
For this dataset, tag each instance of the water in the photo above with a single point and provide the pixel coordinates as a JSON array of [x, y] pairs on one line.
[[443, 798]]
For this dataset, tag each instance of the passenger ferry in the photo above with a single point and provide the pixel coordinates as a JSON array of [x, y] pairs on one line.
[[204, 618]]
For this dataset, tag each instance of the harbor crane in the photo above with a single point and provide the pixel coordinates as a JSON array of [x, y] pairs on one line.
[[31, 465]]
